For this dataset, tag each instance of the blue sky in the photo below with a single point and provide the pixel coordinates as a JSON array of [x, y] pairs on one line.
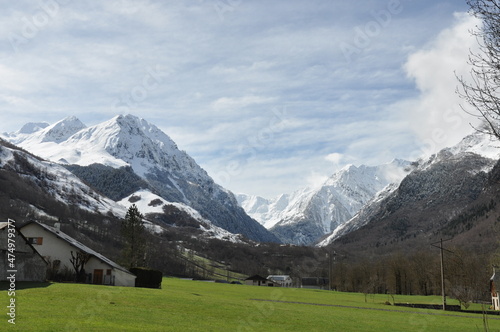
[[267, 96]]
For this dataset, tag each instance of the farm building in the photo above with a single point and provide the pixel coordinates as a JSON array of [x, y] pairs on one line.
[[258, 280], [281, 280], [494, 289], [56, 246], [27, 262]]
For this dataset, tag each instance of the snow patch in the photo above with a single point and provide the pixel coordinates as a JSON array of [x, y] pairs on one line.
[[147, 202]]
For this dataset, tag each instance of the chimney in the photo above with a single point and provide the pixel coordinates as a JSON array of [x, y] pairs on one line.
[[57, 226]]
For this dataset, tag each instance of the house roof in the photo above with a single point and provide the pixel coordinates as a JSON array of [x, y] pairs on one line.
[[6, 224], [278, 277], [65, 237], [256, 278]]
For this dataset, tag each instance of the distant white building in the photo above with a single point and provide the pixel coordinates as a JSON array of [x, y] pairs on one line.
[[282, 280], [55, 245]]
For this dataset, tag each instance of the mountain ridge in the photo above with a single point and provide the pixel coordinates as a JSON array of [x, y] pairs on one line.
[[126, 140], [325, 213], [454, 174], [308, 214]]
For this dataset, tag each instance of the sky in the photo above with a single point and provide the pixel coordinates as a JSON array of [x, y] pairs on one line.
[[267, 96]]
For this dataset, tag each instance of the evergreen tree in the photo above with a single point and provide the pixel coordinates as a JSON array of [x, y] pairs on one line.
[[133, 234]]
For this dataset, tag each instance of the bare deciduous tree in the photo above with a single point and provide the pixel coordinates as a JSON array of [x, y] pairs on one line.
[[78, 260], [483, 88]]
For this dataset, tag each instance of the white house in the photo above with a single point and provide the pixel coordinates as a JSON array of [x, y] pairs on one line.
[[282, 280], [55, 245], [27, 263]]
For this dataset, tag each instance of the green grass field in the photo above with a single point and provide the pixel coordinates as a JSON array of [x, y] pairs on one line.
[[198, 306]]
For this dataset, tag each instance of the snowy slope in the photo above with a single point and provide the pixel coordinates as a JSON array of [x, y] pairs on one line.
[[476, 144], [131, 141], [271, 211], [359, 219], [63, 186], [58, 182], [308, 214], [148, 203], [36, 133], [121, 141], [31, 127]]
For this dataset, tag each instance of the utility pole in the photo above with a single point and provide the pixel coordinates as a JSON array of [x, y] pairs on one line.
[[329, 255], [442, 269], [442, 276], [227, 270]]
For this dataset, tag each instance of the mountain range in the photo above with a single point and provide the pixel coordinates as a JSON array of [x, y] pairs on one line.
[[454, 198], [445, 180], [105, 168], [310, 213], [349, 199], [135, 157]]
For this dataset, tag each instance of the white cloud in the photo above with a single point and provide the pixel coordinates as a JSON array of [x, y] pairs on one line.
[[436, 116], [335, 158], [224, 76]]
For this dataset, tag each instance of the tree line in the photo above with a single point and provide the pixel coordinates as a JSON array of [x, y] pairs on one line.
[[466, 274]]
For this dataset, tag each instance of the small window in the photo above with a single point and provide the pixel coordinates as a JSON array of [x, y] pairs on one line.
[[36, 240]]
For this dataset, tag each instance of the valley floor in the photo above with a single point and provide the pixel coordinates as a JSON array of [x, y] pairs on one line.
[[183, 305]]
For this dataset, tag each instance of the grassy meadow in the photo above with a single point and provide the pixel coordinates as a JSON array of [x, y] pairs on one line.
[[199, 306]]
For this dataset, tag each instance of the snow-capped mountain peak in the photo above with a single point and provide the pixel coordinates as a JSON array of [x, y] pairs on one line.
[[478, 147], [310, 213], [479, 143], [62, 130], [123, 140], [120, 141], [35, 133], [32, 127], [139, 143], [126, 140]]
